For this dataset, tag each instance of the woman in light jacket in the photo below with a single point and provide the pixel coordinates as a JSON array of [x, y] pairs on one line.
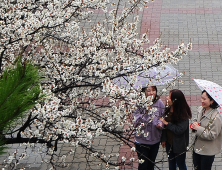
[[208, 133], [175, 136], [147, 143]]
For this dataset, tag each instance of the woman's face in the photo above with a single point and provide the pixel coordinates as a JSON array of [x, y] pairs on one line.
[[169, 99], [205, 101], [150, 91]]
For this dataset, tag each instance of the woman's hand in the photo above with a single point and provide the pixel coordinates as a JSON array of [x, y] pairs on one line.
[[163, 144], [159, 125], [195, 125], [164, 121]]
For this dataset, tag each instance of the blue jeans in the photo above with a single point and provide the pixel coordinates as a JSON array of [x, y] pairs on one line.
[[175, 159], [202, 162], [148, 153]]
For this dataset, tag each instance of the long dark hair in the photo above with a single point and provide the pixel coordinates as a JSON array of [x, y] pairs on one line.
[[214, 105], [156, 96], [181, 110]]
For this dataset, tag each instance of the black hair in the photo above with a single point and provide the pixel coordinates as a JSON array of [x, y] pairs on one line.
[[181, 110], [156, 96], [214, 105]]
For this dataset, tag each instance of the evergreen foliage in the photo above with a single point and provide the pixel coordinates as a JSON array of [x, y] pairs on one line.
[[20, 89]]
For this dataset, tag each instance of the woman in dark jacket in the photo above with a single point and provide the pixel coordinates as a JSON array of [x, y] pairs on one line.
[[175, 136]]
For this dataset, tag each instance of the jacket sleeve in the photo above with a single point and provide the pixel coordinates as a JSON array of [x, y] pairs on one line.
[[178, 128], [159, 113], [140, 117], [211, 132]]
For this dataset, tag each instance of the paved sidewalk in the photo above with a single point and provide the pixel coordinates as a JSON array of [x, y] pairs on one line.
[[200, 22], [177, 21]]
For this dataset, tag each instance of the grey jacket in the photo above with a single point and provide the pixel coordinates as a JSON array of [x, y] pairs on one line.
[[180, 135], [208, 134]]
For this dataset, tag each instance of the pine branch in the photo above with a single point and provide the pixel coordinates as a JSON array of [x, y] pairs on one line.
[[20, 89]]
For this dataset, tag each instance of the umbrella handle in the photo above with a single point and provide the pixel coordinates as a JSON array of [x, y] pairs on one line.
[[192, 124]]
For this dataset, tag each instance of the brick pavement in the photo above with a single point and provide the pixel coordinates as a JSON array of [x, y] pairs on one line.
[[177, 21]]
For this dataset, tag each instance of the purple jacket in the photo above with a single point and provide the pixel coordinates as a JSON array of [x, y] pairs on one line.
[[154, 133]]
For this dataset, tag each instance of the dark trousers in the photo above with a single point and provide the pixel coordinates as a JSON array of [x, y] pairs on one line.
[[148, 153], [175, 159], [202, 162]]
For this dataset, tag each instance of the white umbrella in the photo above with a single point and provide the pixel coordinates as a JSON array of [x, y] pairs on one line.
[[213, 89], [152, 77]]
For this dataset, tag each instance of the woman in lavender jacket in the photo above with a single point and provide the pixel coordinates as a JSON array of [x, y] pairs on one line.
[[147, 143]]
